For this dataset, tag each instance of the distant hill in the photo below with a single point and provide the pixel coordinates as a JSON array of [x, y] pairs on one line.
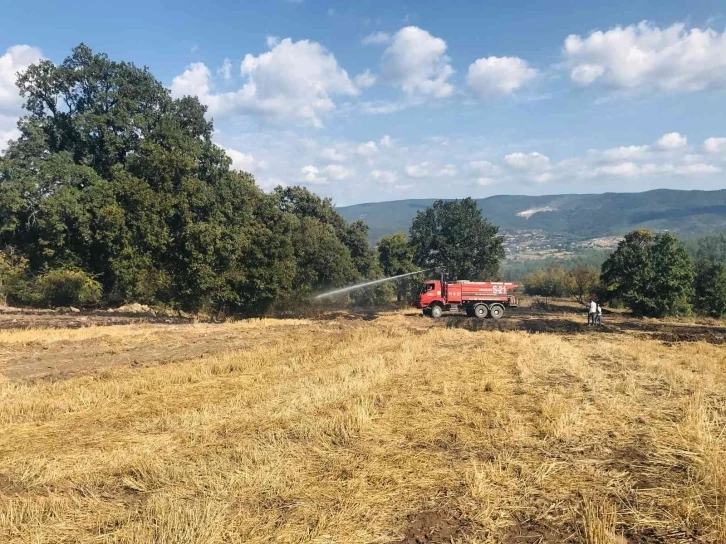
[[569, 217]]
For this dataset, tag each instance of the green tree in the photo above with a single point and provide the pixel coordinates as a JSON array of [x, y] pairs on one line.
[[320, 238], [548, 283], [710, 289], [113, 177], [453, 236], [396, 257], [651, 274], [582, 283]]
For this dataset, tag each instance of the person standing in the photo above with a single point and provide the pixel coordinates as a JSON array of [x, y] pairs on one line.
[[591, 314], [598, 314]]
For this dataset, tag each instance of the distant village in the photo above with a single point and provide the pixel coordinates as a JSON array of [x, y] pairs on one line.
[[526, 245]]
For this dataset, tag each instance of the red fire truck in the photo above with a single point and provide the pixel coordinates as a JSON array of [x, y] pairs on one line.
[[477, 299]]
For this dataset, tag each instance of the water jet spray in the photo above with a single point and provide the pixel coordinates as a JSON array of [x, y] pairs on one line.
[[366, 284]]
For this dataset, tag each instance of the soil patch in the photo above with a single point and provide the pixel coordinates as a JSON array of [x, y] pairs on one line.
[[436, 527]]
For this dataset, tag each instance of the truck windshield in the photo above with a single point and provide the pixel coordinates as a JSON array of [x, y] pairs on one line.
[[426, 287]]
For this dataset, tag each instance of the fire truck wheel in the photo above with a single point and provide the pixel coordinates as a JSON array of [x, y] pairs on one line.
[[497, 311], [481, 311], [436, 311]]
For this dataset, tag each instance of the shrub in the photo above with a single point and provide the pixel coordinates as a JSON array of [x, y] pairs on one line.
[[13, 276], [61, 287]]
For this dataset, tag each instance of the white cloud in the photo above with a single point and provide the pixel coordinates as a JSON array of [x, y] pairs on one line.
[[336, 172], [272, 41], [311, 174], [331, 154], [16, 59], [426, 170], [527, 161], [225, 70], [367, 149], [448, 171], [384, 176], [698, 168], [241, 161], [376, 38], [493, 76], [672, 140], [417, 170], [365, 80], [384, 108], [645, 57], [386, 141], [6, 136], [485, 182], [416, 62], [294, 80], [482, 169], [625, 152], [626, 169], [715, 145]]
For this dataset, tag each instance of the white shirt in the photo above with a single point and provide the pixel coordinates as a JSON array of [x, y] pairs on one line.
[[593, 307], [599, 310]]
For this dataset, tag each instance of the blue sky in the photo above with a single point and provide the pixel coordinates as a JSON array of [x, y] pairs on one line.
[[368, 101]]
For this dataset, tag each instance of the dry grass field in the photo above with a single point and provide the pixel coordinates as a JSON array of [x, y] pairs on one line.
[[388, 428]]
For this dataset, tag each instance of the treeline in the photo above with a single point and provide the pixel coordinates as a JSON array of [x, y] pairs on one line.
[[651, 274], [114, 192]]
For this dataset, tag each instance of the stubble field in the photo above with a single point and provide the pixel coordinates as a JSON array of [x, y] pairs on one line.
[[364, 428]]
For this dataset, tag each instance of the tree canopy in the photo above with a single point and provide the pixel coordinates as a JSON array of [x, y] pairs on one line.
[[651, 274], [453, 236], [112, 177]]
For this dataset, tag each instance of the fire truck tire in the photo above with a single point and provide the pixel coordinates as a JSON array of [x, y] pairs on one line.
[[496, 311], [481, 311], [436, 311]]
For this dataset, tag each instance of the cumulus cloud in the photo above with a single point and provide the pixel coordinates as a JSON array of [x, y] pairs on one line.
[[241, 161], [426, 170], [331, 154], [715, 145], [384, 176], [646, 57], [417, 170], [376, 38], [386, 141], [367, 149], [672, 140], [365, 80], [294, 80], [448, 170], [310, 174], [225, 70], [416, 62], [16, 59], [527, 161], [625, 152], [493, 76], [335, 172]]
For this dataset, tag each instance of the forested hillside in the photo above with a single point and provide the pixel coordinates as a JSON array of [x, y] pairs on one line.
[[577, 217]]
